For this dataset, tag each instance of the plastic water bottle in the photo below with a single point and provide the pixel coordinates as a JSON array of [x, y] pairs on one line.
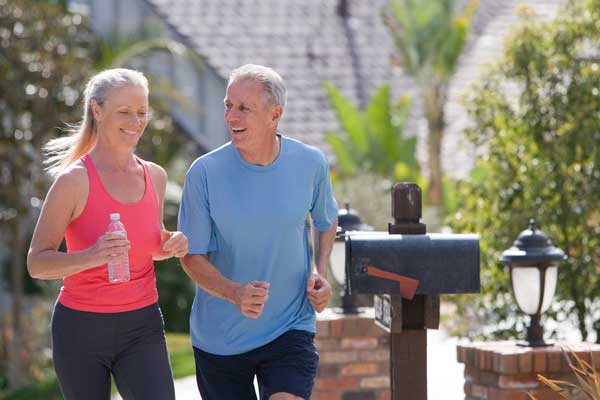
[[118, 266]]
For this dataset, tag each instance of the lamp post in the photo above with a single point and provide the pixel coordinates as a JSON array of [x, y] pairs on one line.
[[533, 262], [348, 221]]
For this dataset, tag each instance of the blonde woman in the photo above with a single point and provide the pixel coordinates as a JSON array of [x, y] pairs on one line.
[[101, 328]]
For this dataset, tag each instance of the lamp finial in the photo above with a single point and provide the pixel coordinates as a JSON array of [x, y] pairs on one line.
[[532, 225]]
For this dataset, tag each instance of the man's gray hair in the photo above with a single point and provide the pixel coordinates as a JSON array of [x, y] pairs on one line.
[[272, 83]]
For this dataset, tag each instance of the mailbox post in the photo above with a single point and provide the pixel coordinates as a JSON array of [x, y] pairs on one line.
[[407, 270]]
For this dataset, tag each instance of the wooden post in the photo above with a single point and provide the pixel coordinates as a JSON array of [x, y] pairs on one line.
[[408, 348]]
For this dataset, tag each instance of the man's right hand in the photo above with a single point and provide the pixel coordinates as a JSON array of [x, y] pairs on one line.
[[251, 298]]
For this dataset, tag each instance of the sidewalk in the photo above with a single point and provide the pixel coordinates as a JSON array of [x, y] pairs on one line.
[[445, 377], [444, 373]]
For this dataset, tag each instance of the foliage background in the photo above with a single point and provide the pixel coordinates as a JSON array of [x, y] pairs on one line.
[[536, 114], [47, 54]]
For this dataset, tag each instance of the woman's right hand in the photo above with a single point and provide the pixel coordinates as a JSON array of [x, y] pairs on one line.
[[108, 245]]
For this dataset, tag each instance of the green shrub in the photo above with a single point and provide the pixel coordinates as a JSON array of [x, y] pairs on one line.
[[536, 114]]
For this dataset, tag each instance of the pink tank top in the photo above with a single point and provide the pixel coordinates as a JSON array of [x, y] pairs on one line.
[[90, 290]]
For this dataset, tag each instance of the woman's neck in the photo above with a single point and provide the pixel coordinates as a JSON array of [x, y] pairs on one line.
[[114, 160]]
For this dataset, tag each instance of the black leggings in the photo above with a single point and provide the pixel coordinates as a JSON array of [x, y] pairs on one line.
[[87, 347]]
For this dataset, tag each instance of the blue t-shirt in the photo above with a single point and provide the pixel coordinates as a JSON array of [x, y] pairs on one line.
[[251, 221]]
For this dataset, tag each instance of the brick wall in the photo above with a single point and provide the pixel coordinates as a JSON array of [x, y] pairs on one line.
[[354, 358], [505, 371]]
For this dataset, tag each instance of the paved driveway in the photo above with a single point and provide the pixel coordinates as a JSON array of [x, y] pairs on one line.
[[445, 374]]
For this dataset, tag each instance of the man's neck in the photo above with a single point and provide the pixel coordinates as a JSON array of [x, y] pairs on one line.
[[266, 154]]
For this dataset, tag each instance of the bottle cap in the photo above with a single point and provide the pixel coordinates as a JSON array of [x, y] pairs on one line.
[[115, 216]]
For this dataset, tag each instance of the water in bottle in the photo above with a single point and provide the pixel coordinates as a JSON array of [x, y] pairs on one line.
[[118, 265]]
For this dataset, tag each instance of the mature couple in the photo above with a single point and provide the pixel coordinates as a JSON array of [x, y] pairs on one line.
[[243, 241]]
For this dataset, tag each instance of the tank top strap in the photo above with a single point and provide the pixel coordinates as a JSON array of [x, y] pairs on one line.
[[150, 191], [93, 175]]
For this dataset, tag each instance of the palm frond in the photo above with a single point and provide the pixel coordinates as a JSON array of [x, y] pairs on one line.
[[350, 118], [343, 158]]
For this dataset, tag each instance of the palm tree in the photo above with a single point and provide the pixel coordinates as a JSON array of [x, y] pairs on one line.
[[429, 40]]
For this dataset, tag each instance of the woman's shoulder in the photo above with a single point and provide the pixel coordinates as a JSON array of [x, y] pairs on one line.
[[158, 173], [154, 167], [72, 182], [74, 175]]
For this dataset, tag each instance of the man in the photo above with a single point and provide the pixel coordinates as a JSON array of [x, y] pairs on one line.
[[244, 210]]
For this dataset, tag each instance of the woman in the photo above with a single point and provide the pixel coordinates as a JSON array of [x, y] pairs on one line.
[[101, 328]]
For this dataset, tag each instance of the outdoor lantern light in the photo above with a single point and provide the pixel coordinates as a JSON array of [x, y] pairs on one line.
[[348, 221], [533, 262]]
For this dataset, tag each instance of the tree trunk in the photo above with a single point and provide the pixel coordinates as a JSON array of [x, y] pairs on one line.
[[17, 373], [434, 146], [581, 313], [434, 113]]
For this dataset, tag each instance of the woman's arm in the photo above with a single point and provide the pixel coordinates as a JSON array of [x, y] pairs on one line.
[[172, 244], [64, 202]]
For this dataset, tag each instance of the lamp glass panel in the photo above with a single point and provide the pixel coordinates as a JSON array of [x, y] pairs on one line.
[[550, 285], [338, 261], [526, 285]]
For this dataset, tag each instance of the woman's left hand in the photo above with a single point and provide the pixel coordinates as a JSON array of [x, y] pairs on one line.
[[172, 244]]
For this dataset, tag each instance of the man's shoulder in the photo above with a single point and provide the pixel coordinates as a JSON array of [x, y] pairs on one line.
[[212, 158], [304, 151]]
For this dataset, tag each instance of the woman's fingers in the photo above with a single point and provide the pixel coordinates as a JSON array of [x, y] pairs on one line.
[[175, 245]]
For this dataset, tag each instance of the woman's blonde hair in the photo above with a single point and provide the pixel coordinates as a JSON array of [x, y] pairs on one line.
[[63, 151]]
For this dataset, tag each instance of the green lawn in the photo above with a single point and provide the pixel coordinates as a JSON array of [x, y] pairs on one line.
[[181, 354], [182, 363]]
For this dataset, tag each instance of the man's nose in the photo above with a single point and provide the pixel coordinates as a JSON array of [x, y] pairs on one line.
[[231, 116]]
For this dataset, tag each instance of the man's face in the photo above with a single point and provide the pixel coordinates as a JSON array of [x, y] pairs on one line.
[[251, 121]]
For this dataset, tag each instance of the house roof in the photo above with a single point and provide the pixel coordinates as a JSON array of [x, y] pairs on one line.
[[306, 41], [312, 41]]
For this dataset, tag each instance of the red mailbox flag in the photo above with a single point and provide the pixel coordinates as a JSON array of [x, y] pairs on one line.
[[408, 286]]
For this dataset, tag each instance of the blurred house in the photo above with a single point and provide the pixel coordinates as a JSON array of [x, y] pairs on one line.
[[308, 42]]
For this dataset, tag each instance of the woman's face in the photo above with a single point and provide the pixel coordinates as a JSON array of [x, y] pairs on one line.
[[123, 116]]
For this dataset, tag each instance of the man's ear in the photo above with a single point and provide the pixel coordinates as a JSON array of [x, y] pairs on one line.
[[277, 113]]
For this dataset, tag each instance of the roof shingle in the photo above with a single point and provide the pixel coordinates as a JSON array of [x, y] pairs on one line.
[[309, 42]]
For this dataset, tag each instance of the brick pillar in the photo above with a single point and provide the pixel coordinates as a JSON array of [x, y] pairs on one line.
[[505, 371], [354, 357]]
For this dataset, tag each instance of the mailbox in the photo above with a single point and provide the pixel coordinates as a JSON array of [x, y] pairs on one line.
[[429, 264]]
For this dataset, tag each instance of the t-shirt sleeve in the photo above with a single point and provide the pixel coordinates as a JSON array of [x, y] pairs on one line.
[[194, 213], [324, 208]]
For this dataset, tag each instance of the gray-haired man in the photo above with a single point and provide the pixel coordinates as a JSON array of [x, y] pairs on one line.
[[243, 209]]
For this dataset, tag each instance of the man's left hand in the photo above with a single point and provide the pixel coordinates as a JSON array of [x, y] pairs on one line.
[[319, 291]]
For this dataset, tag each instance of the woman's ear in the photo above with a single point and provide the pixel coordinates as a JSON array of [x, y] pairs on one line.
[[96, 110]]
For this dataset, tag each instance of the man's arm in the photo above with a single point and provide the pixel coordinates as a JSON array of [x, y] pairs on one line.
[[318, 288], [249, 298], [322, 249]]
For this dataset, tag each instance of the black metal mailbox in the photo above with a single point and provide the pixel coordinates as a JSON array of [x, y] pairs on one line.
[[429, 264]]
